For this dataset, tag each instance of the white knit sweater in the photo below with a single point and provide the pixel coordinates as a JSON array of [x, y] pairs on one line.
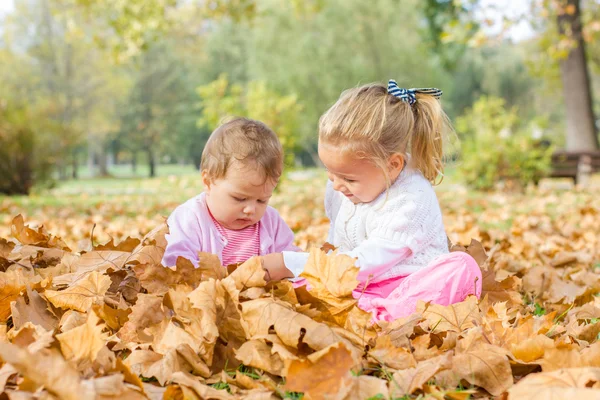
[[396, 234]]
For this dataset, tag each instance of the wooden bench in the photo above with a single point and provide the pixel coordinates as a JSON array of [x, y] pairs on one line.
[[577, 165]]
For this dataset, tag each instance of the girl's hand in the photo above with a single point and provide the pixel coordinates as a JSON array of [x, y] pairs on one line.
[[275, 267]]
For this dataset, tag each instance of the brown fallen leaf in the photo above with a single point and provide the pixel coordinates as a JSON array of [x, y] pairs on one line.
[[407, 381], [80, 297], [149, 364], [45, 368], [34, 311], [82, 344], [455, 317], [391, 356], [326, 376], [482, 364], [262, 315], [332, 278], [199, 388], [26, 235], [258, 354], [564, 383]]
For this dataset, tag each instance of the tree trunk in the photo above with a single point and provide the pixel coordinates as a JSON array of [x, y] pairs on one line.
[[102, 162], [581, 128], [134, 162], [74, 165], [151, 163]]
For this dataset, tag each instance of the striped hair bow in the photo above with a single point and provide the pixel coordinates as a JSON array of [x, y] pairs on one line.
[[409, 95]]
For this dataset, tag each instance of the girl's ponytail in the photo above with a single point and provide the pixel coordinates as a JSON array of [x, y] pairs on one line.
[[427, 142]]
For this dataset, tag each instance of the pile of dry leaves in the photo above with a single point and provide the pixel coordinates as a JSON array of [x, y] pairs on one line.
[[112, 323]]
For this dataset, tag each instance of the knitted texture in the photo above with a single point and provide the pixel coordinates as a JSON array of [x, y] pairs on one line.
[[407, 214]]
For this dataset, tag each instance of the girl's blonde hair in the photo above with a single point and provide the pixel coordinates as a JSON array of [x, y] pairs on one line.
[[373, 124]]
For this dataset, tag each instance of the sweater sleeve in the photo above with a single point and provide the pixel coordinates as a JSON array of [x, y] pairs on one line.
[[183, 238]]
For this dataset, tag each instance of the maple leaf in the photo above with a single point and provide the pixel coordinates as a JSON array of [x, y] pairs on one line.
[[147, 311], [564, 383], [503, 291], [182, 357], [26, 235], [12, 283], [35, 311], [387, 354], [407, 381], [83, 343], [80, 297], [257, 353], [199, 388], [262, 315], [325, 375], [332, 279], [455, 317], [127, 245], [45, 368], [482, 364]]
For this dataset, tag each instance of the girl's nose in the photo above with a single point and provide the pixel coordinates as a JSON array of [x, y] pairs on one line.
[[248, 209]]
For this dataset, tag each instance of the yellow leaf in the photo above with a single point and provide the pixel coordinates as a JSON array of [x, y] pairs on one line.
[[83, 342], [80, 297]]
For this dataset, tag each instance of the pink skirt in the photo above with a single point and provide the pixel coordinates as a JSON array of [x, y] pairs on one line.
[[448, 279]]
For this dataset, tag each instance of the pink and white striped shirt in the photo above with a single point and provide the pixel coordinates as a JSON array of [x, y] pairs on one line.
[[241, 244]]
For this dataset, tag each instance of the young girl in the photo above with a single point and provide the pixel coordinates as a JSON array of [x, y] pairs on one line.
[[382, 148], [241, 165]]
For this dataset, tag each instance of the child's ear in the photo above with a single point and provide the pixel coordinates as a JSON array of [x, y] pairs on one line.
[[396, 163], [206, 181]]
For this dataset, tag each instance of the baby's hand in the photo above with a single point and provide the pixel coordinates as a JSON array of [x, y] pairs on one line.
[[275, 267]]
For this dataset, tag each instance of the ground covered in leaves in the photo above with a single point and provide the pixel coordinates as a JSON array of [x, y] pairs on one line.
[[80, 319]]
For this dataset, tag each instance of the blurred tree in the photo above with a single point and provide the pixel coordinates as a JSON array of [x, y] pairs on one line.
[[25, 147], [563, 43], [71, 78], [220, 100], [158, 104]]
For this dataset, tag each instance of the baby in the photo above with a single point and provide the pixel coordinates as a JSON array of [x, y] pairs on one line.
[[241, 165]]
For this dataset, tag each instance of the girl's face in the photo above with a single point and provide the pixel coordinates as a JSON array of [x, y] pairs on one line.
[[240, 199], [360, 180]]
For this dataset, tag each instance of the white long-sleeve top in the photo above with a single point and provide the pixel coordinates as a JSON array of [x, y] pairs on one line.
[[396, 234]]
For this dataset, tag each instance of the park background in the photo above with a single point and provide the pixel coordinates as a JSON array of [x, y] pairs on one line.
[[105, 107]]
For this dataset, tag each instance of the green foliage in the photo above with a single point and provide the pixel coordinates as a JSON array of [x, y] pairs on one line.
[[25, 157], [497, 148], [220, 99], [539, 310]]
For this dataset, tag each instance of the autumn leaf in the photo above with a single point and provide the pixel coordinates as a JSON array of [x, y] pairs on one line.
[[80, 297], [181, 357], [199, 388], [262, 315], [26, 235], [564, 383], [482, 364], [332, 279], [407, 381], [257, 353], [45, 368], [35, 311], [83, 342], [455, 317], [326, 375], [385, 353], [12, 283]]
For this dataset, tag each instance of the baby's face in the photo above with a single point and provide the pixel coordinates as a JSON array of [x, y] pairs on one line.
[[360, 180], [240, 199]]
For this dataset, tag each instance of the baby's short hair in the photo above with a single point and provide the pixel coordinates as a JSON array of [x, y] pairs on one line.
[[246, 141]]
